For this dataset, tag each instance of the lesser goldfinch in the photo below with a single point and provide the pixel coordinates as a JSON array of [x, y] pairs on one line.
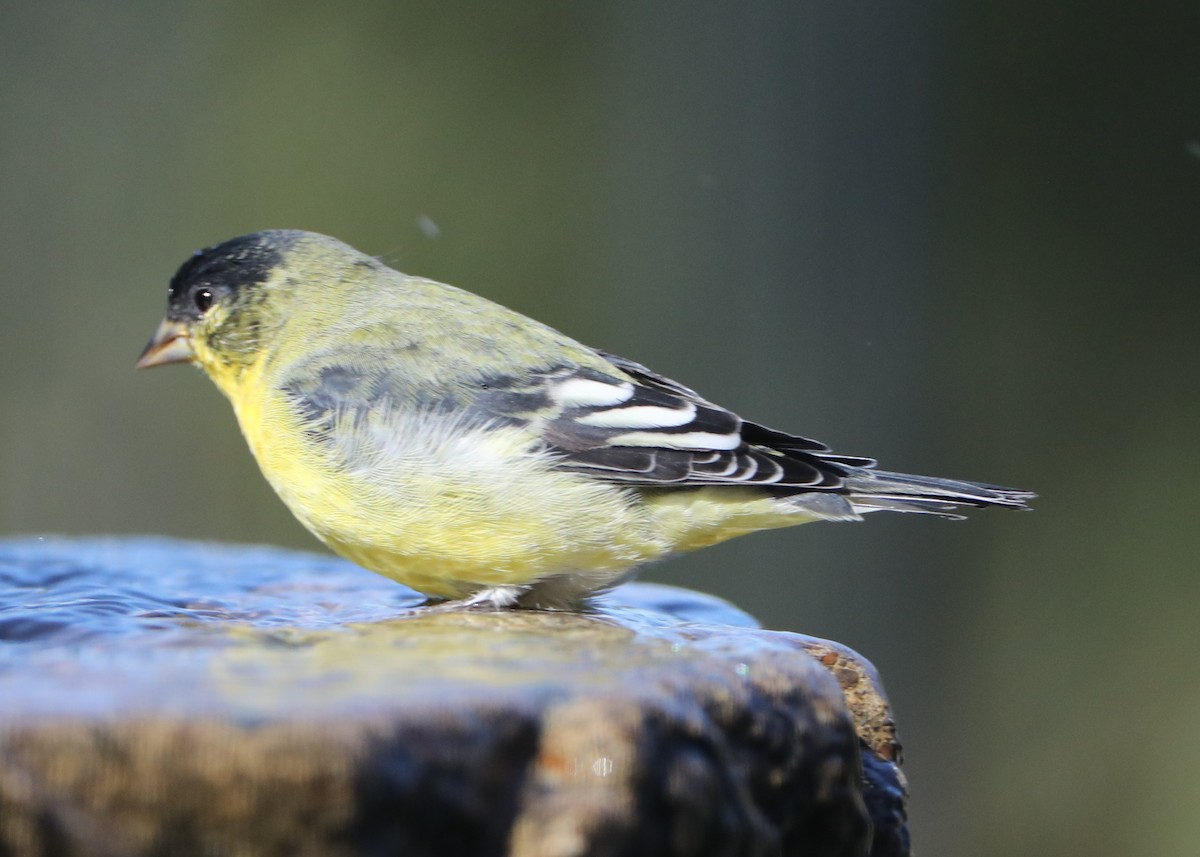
[[470, 452]]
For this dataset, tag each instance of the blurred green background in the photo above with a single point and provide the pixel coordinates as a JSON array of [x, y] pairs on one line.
[[959, 237]]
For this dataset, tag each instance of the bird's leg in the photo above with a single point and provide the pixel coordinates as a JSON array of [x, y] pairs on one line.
[[490, 599]]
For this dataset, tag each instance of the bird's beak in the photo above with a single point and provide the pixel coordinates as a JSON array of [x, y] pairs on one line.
[[170, 344]]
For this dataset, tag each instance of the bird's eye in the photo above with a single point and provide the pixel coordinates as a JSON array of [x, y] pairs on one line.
[[203, 299]]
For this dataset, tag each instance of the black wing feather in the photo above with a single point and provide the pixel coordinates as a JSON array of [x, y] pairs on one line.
[[674, 455]]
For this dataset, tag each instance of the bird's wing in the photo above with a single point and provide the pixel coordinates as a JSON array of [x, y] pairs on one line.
[[636, 427], [612, 419]]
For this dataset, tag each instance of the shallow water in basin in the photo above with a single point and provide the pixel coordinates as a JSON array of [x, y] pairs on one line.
[[120, 625]]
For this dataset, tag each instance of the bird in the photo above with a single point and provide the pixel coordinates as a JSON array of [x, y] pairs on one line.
[[481, 457]]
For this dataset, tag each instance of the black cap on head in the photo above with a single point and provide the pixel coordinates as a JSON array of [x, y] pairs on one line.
[[227, 267]]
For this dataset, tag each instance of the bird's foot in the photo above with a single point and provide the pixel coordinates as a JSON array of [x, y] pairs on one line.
[[492, 599]]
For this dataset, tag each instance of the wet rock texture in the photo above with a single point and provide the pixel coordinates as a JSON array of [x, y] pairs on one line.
[[163, 697]]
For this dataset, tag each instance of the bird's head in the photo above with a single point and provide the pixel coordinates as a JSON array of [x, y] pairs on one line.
[[225, 301]]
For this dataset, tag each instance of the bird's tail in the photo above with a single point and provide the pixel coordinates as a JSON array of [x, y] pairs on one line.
[[874, 490]]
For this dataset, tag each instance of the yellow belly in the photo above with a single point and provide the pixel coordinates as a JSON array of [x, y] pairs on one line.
[[445, 510]]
